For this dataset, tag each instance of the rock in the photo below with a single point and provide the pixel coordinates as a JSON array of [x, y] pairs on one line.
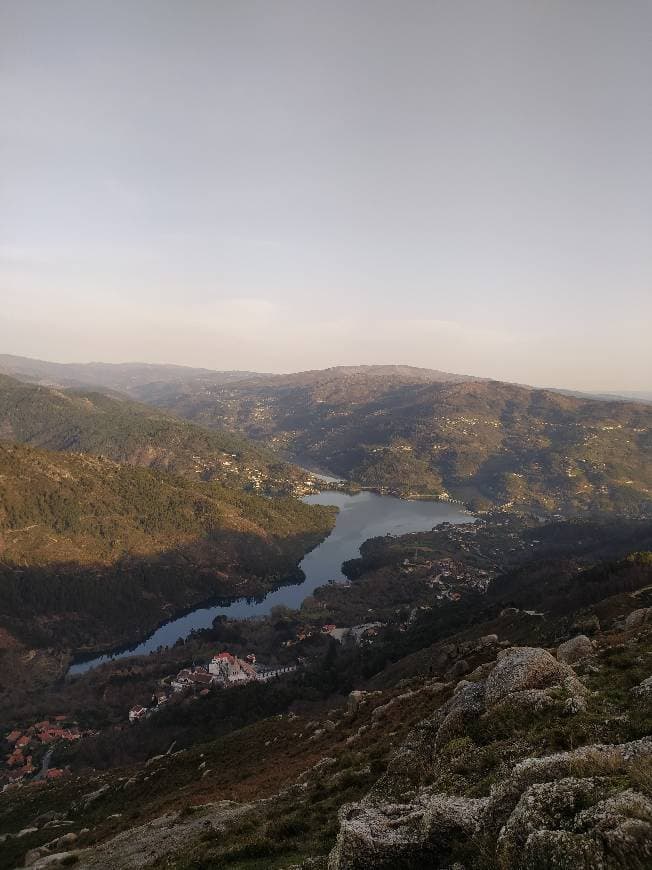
[[644, 688], [575, 649], [153, 760], [542, 807], [60, 859], [638, 617], [86, 800], [65, 840], [401, 835], [34, 855], [520, 668], [26, 832], [572, 823], [50, 816], [481, 672], [487, 640], [573, 706]]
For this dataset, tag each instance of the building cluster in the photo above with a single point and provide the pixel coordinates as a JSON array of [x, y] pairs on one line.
[[26, 744], [448, 578], [355, 634], [224, 671]]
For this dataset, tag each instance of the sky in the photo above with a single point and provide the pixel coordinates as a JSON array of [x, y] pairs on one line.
[[279, 185]]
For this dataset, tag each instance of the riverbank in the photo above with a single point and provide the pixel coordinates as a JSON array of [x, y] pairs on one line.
[[360, 517]]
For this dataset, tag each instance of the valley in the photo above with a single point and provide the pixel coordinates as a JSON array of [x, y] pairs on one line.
[[361, 627]]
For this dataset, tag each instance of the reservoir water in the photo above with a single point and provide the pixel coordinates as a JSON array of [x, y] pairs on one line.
[[362, 516]]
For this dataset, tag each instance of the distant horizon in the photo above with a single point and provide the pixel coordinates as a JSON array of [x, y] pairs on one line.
[[622, 391]]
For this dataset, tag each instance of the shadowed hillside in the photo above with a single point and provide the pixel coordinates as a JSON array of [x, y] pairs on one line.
[[94, 552]]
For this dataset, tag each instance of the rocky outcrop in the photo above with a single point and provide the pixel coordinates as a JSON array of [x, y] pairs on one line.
[[568, 810], [552, 826], [418, 834], [559, 811]]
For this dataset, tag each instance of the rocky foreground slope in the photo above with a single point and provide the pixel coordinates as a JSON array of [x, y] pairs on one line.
[[535, 758], [580, 808]]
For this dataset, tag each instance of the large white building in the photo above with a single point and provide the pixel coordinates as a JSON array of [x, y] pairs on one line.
[[230, 670]]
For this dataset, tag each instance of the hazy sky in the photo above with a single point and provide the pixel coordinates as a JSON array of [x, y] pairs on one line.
[[291, 184]]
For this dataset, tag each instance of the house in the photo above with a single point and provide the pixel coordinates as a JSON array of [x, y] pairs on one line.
[[54, 773], [201, 679], [181, 681], [13, 736], [227, 669], [190, 679], [137, 713]]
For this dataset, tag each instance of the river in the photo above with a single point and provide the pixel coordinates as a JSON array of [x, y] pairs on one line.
[[362, 516]]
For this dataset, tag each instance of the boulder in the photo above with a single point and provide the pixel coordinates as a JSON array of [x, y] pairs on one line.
[[353, 702], [575, 649], [521, 668], [400, 835], [638, 617]]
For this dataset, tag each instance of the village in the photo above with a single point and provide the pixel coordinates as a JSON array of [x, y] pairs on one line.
[[448, 578], [224, 671], [28, 744]]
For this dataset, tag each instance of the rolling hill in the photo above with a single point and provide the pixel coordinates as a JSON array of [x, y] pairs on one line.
[[487, 443], [121, 377]]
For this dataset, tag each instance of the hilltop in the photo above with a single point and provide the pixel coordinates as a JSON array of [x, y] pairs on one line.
[[121, 377], [126, 431], [486, 443]]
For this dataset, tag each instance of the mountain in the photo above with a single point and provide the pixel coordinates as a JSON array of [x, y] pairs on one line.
[[412, 432], [94, 553], [122, 377], [125, 431]]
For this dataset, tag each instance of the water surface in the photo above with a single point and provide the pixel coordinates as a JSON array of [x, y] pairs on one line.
[[362, 516]]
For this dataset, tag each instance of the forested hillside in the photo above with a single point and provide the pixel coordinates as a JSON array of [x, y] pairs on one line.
[[93, 551], [125, 431], [485, 442]]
